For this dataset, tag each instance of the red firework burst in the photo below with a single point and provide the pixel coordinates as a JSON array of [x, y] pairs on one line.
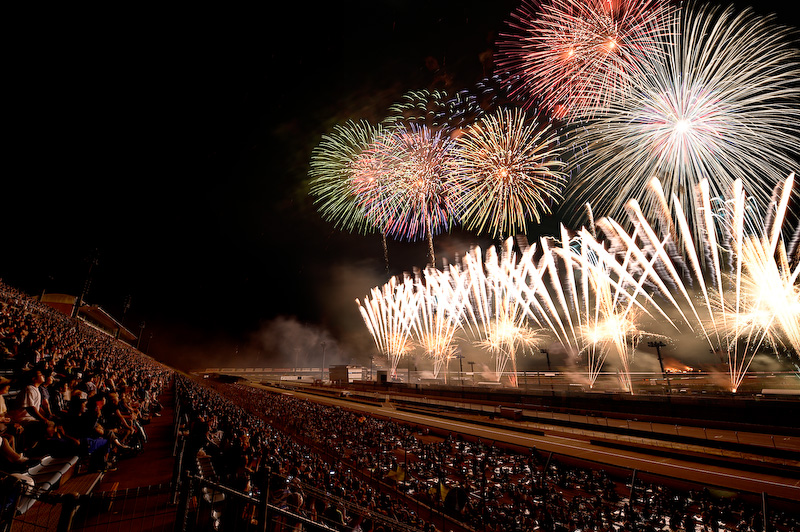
[[575, 56]]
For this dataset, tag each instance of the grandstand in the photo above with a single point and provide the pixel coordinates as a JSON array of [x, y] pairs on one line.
[[208, 453], [93, 315]]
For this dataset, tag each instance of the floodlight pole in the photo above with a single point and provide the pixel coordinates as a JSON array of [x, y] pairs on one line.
[[460, 357], [549, 377], [547, 354], [141, 332], [658, 345], [93, 261], [322, 370]]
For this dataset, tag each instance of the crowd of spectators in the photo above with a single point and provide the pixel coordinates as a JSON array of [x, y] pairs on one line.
[[255, 457], [68, 388], [356, 458]]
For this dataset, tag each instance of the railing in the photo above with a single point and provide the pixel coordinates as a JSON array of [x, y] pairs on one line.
[[206, 506], [137, 509]]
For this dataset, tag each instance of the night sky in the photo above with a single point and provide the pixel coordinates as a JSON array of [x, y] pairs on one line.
[[174, 146]]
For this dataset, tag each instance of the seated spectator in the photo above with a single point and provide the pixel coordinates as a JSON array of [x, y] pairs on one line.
[[59, 406], [333, 516], [98, 448], [82, 426], [198, 436], [10, 460], [57, 442], [5, 419], [112, 417], [29, 413], [44, 390]]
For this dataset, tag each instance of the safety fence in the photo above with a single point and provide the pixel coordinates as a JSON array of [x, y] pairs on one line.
[[195, 504], [147, 508]]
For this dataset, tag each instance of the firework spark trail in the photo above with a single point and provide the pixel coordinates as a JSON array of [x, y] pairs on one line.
[[442, 298], [608, 326], [626, 334], [437, 110], [572, 301], [723, 103], [578, 56], [750, 296], [336, 171], [770, 287], [510, 330], [508, 168], [767, 304], [495, 314], [793, 253], [389, 313], [553, 316], [766, 307], [418, 196], [605, 303], [489, 305], [656, 247], [645, 265], [538, 303], [591, 294]]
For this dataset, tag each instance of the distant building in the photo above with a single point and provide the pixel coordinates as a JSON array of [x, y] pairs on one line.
[[268, 374], [346, 374]]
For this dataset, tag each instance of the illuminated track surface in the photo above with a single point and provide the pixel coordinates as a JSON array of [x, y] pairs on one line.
[[573, 446]]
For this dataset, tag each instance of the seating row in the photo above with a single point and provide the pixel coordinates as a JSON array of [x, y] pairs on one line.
[[43, 478]]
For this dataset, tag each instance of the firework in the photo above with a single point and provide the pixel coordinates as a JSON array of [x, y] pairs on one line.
[[720, 102], [767, 308], [748, 290], [437, 110], [389, 313], [442, 298], [491, 93], [508, 169], [497, 312], [415, 194], [736, 287], [578, 56], [504, 337], [762, 302], [593, 304], [613, 324], [335, 177]]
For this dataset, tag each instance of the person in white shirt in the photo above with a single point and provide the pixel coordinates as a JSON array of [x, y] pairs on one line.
[[29, 414]]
